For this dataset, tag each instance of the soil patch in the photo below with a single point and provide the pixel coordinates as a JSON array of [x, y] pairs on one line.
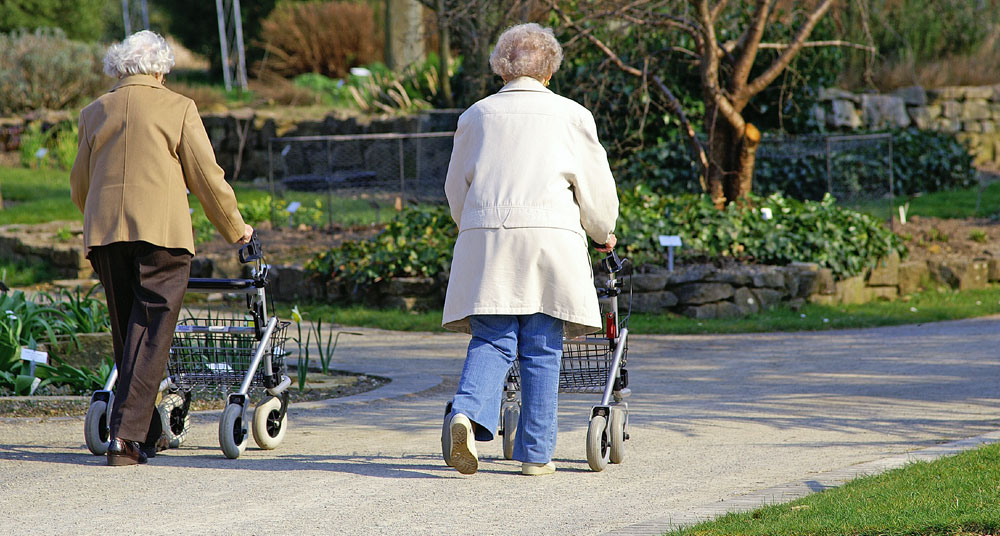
[[291, 246], [942, 239]]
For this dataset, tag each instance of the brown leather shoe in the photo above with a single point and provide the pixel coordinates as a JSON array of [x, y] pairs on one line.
[[124, 452]]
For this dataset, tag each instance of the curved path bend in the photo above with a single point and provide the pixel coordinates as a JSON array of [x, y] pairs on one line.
[[718, 423]]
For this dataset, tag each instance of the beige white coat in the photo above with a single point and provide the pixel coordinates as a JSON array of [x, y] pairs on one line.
[[528, 182]]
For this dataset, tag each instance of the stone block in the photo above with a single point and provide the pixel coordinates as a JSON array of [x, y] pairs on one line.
[[881, 293], [880, 111], [921, 117], [978, 92], [733, 275], [825, 283], [291, 283], [993, 270], [689, 273], [843, 115], [652, 302], [960, 274], [699, 293], [951, 109], [768, 277], [834, 94], [746, 301], [646, 282], [975, 127], [708, 310], [410, 286], [823, 299], [910, 275], [851, 290], [806, 277], [976, 110], [885, 272], [948, 125], [912, 95], [766, 297], [412, 303], [727, 309], [947, 93]]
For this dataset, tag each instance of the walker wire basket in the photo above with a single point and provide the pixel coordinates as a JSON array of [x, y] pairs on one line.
[[212, 353], [584, 367]]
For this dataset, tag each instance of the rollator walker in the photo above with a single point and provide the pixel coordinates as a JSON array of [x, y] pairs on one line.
[[235, 354]]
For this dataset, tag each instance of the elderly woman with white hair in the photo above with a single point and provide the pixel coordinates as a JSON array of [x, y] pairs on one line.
[[527, 184], [141, 148]]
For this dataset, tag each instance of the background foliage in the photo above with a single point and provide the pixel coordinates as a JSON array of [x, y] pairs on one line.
[[45, 69], [80, 19]]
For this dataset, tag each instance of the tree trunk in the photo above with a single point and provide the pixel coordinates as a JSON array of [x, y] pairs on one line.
[[747, 161], [444, 57]]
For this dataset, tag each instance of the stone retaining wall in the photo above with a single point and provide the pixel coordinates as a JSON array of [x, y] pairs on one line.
[[972, 113]]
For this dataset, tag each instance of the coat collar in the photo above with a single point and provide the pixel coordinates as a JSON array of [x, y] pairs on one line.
[[524, 83], [137, 80]]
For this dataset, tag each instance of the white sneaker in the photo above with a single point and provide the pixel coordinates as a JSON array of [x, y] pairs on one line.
[[537, 469], [463, 445]]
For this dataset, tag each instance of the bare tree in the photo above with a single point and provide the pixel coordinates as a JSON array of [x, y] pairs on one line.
[[473, 27], [727, 158]]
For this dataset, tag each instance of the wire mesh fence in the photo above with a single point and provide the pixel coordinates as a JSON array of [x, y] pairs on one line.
[[856, 170], [378, 169]]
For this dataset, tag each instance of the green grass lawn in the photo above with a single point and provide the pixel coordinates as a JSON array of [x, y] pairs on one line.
[[956, 495], [953, 204], [36, 196], [927, 306]]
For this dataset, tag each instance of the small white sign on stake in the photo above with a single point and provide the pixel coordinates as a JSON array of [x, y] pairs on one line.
[[670, 242], [34, 356], [293, 207]]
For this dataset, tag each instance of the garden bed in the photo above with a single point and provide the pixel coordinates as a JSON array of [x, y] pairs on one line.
[[59, 403]]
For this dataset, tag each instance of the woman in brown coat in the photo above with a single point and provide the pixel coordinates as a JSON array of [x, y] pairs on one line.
[[142, 148]]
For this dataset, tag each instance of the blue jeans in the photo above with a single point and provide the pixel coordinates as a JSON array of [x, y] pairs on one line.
[[497, 340]]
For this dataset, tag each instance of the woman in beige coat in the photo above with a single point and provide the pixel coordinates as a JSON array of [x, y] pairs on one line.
[[142, 147], [527, 184]]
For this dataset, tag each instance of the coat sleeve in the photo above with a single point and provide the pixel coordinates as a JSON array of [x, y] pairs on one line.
[[79, 176], [594, 185], [459, 178], [206, 179]]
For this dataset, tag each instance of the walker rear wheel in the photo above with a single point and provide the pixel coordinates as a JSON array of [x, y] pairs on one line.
[[232, 431], [598, 449], [510, 418], [176, 421]]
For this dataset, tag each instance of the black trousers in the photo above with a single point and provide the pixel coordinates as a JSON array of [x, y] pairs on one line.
[[144, 285]]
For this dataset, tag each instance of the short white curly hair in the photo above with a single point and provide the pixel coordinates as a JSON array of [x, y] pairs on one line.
[[526, 50], [143, 52]]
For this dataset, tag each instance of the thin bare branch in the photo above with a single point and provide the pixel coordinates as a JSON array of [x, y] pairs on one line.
[[831, 43], [772, 72], [717, 10], [697, 149]]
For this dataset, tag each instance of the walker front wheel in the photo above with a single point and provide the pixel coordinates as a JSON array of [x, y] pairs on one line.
[[617, 435], [510, 418], [268, 429], [232, 431], [95, 428], [598, 450]]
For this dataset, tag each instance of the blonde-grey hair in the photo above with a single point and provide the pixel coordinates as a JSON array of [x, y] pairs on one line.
[[143, 52], [526, 50]]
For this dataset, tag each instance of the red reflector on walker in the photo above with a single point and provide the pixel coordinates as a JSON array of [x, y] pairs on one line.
[[609, 325]]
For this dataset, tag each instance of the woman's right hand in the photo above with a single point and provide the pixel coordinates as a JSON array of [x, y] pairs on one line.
[[247, 234], [609, 245]]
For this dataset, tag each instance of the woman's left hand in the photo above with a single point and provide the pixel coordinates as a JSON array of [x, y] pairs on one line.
[[609, 245]]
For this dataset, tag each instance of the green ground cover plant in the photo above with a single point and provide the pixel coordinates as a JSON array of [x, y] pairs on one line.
[[956, 495], [22, 274]]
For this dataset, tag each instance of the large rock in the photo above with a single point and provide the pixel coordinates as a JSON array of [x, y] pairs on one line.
[[843, 115], [921, 117], [767, 298], [738, 276], [806, 277], [910, 276], [960, 274], [851, 290], [747, 303], [651, 302], [410, 286], [881, 111], [699, 293], [723, 309], [646, 282], [976, 110], [57, 244], [993, 269], [689, 273], [292, 283], [951, 109], [912, 95], [885, 273], [835, 93], [881, 293], [945, 124], [412, 303], [768, 276]]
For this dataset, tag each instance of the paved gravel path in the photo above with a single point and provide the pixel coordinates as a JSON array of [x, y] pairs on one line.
[[718, 422]]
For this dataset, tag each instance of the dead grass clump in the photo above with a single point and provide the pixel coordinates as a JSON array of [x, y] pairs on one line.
[[326, 38], [273, 90]]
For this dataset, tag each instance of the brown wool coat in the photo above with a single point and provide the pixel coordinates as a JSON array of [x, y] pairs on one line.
[[142, 147], [528, 182]]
